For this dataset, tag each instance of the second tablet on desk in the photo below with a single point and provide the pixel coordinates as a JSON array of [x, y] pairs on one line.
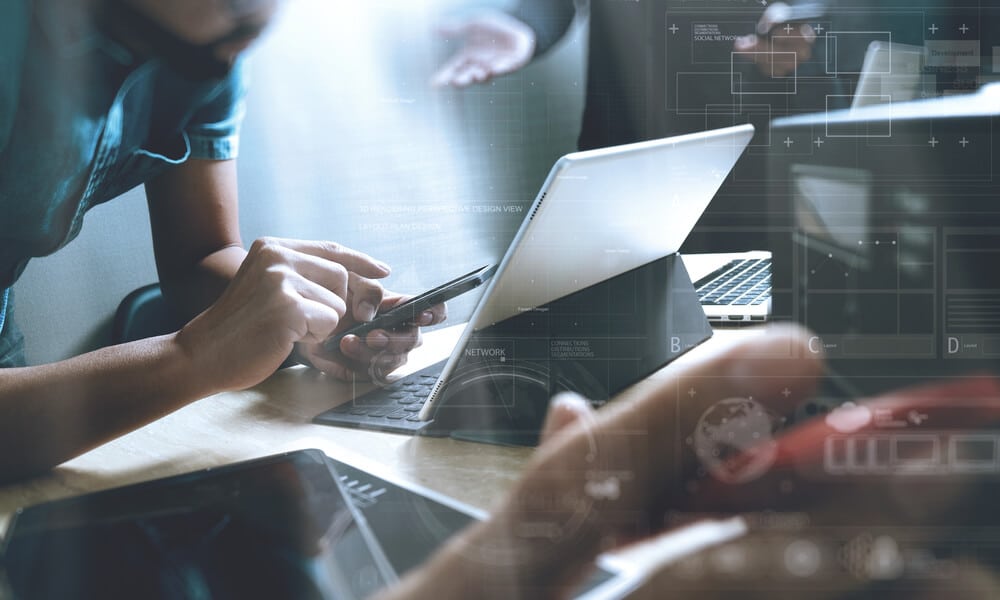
[[294, 525]]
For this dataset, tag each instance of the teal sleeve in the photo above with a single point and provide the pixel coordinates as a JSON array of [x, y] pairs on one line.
[[14, 26], [214, 129]]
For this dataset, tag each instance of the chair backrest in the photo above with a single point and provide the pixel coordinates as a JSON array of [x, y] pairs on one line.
[[141, 314]]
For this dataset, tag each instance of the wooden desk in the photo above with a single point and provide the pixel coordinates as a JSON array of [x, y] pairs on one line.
[[274, 417]]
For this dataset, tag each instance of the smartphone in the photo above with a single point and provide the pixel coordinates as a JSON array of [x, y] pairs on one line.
[[411, 309]]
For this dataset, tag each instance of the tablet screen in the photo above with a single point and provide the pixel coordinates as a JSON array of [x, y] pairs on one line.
[[295, 525], [278, 527]]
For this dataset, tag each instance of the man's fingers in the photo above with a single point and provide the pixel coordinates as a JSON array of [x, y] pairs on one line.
[[379, 341], [351, 259], [376, 369], [448, 73], [438, 314], [384, 364], [365, 296], [362, 349], [330, 275], [474, 70], [478, 72], [748, 43], [776, 13], [462, 76], [452, 28], [320, 318], [565, 409], [493, 43], [773, 368], [808, 35], [335, 369], [758, 380], [751, 363], [621, 470], [397, 341], [310, 290]]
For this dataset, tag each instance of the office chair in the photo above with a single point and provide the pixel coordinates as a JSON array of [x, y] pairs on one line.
[[141, 314]]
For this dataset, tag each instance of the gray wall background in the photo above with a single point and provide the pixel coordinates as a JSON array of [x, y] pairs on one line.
[[344, 140]]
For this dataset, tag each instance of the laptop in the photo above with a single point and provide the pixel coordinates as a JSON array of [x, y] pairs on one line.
[[292, 525], [578, 301], [735, 288], [892, 72]]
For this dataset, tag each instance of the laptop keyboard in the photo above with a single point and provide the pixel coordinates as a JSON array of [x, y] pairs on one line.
[[742, 282], [395, 407]]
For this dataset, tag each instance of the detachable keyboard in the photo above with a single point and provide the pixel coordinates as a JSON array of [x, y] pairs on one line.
[[395, 407]]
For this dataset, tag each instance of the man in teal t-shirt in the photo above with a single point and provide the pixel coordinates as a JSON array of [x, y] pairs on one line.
[[95, 98]]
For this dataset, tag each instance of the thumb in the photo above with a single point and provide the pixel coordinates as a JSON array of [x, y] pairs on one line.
[[565, 409], [746, 43], [451, 27]]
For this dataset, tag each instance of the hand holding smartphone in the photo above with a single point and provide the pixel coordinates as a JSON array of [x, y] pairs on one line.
[[408, 311]]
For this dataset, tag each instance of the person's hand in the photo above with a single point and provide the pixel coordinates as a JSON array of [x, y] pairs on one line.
[[285, 292], [778, 45], [493, 44], [381, 351], [844, 523], [602, 479]]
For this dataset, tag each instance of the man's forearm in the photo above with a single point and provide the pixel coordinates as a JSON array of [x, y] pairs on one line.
[[194, 215], [197, 288], [51, 413]]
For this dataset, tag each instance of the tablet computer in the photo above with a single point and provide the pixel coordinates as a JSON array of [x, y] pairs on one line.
[[292, 525]]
